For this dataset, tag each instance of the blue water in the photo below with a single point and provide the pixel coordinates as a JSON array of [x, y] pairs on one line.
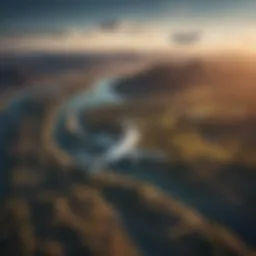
[[168, 178], [102, 94]]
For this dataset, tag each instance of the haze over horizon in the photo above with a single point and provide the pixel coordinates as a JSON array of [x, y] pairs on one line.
[[77, 25]]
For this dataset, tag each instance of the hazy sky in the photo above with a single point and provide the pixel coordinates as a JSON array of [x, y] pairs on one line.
[[79, 13], [229, 21]]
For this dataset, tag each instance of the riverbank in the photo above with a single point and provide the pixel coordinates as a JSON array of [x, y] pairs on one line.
[[153, 201]]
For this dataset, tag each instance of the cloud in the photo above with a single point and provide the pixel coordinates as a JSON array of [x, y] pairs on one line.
[[187, 37], [121, 36], [122, 26], [110, 25]]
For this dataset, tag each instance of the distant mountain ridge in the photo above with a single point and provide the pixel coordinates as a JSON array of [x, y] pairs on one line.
[[162, 78]]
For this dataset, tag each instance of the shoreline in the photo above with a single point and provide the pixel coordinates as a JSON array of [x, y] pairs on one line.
[[61, 156]]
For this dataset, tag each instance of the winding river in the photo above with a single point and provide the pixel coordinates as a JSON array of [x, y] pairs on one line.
[[170, 179], [93, 151]]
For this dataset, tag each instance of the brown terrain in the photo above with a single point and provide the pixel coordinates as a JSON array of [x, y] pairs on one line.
[[210, 102], [205, 121]]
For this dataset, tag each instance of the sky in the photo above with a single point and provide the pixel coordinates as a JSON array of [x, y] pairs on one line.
[[63, 13], [76, 24]]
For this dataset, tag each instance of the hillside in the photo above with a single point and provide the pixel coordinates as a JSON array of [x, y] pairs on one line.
[[201, 202]]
